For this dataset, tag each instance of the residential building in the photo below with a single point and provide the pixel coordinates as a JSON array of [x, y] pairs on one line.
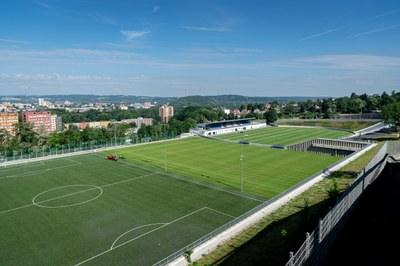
[[7, 121], [166, 113], [56, 123], [139, 121], [41, 120]]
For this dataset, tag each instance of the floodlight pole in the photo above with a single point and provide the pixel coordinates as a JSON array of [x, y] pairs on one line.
[[115, 133], [241, 173], [165, 151], [241, 164]]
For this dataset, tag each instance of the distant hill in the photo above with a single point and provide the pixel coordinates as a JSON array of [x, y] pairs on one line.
[[194, 100], [232, 100]]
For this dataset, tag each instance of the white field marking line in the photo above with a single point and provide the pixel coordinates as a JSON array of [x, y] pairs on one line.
[[194, 182], [127, 180], [220, 212], [38, 204], [133, 229], [115, 183], [26, 174], [17, 208], [43, 171], [126, 242], [69, 159], [13, 167], [82, 191]]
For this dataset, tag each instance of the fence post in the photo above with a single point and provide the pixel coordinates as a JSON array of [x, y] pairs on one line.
[[291, 257], [320, 231], [307, 245]]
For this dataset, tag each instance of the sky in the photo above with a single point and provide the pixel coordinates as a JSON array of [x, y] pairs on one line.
[[178, 48]]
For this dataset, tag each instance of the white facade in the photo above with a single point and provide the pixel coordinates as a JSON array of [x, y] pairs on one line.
[[219, 131]]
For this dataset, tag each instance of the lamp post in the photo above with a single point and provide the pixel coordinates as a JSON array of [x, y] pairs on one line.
[[165, 151], [241, 162]]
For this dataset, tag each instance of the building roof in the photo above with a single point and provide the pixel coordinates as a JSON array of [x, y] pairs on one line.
[[232, 121]]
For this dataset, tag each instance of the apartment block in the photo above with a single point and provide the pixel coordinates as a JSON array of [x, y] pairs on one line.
[[56, 123], [41, 120], [7, 121], [165, 113]]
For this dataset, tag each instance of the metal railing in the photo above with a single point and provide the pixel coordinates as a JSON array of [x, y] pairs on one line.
[[318, 243]]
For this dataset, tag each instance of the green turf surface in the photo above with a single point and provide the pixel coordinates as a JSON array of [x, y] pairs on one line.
[[284, 135], [87, 209], [266, 172]]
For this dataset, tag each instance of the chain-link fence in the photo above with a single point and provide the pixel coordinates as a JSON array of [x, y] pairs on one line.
[[51, 150]]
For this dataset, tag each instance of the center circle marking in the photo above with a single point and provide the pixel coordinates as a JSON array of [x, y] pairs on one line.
[[89, 188]]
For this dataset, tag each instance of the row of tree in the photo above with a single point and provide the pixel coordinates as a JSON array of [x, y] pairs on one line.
[[187, 117]]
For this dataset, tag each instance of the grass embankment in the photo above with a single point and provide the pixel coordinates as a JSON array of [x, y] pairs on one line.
[[347, 125], [269, 241]]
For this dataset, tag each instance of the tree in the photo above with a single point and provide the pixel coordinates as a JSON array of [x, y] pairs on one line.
[[271, 116], [385, 99], [25, 137], [391, 114], [328, 107], [6, 140], [290, 108]]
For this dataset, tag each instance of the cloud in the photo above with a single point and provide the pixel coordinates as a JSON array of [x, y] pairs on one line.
[[65, 54], [13, 41], [348, 25], [53, 77], [155, 9], [217, 29], [373, 31], [358, 62], [103, 19], [41, 3], [130, 35]]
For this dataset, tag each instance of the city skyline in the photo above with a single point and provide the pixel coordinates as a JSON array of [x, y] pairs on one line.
[[180, 48]]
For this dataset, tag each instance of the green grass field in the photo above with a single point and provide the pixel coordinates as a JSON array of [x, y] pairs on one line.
[[90, 210], [266, 172], [284, 135], [87, 210]]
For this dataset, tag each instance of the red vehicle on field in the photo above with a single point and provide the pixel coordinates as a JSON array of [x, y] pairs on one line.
[[112, 157]]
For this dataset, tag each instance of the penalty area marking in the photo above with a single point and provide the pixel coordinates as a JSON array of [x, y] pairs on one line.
[[91, 187], [162, 225], [27, 174], [42, 171], [133, 229]]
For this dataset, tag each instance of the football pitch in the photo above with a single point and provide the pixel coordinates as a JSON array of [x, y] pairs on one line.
[[87, 210], [263, 171], [284, 135]]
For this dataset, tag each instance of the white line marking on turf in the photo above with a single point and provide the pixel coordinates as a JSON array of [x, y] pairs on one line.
[[13, 209], [12, 167], [39, 204], [127, 180], [42, 171], [69, 159], [133, 229], [126, 242], [94, 187], [26, 174], [220, 212], [194, 182]]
